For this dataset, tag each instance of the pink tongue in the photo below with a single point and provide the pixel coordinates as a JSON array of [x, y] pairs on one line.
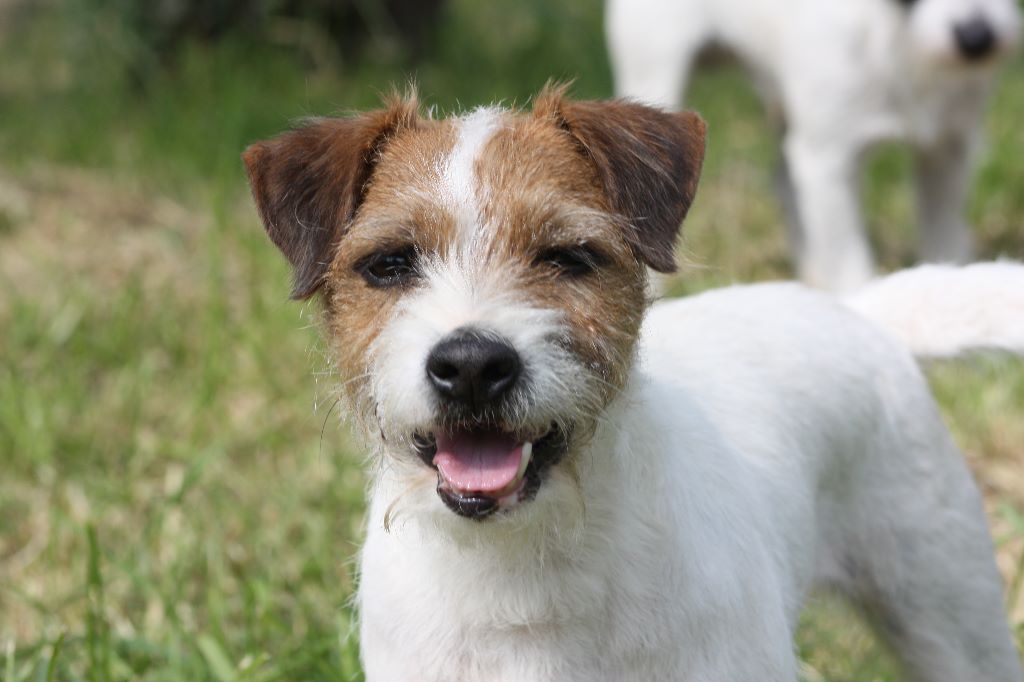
[[478, 462]]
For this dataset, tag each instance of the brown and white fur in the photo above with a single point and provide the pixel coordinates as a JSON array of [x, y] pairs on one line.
[[614, 492]]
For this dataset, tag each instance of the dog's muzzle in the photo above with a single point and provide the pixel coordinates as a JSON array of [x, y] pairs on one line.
[[482, 465]]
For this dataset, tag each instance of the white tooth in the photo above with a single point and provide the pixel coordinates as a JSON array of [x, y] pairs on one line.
[[524, 461]]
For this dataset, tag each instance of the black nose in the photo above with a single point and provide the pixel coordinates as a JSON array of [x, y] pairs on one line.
[[473, 369], [975, 38]]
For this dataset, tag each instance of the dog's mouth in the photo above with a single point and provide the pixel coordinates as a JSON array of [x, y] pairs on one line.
[[481, 470]]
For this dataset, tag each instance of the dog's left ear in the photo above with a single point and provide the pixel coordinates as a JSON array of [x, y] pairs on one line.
[[647, 160]]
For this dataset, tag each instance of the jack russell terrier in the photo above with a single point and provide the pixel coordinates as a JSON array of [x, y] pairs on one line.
[[570, 484], [838, 77]]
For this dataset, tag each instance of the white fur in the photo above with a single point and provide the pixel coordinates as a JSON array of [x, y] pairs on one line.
[[769, 441], [839, 76]]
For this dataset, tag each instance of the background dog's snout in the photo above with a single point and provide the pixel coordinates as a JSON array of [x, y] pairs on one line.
[[975, 38], [473, 369]]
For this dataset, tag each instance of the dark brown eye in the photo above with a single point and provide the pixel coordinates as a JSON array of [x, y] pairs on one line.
[[388, 269], [572, 261]]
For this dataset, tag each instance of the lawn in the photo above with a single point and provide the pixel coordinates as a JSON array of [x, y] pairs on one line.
[[179, 498]]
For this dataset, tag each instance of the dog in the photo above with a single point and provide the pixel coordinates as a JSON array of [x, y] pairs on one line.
[[567, 488], [838, 77]]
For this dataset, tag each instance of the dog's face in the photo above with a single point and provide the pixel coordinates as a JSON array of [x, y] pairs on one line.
[[483, 277], [963, 32]]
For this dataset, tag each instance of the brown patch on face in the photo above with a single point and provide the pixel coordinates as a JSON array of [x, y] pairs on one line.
[[546, 199], [616, 178], [400, 211]]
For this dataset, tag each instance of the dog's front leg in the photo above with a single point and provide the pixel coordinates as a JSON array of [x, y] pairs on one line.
[[786, 193], [942, 177], [833, 250]]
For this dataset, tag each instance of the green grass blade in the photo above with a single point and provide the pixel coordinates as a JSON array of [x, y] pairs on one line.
[[97, 630], [9, 664], [217, 659], [51, 668]]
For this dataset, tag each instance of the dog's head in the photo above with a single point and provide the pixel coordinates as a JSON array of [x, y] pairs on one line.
[[962, 32], [483, 277]]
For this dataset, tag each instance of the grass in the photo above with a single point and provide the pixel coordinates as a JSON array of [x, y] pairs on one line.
[[176, 500]]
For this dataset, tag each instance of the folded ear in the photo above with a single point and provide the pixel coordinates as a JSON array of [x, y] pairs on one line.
[[647, 160], [308, 183]]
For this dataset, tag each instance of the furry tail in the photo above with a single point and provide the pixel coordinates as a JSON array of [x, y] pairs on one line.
[[941, 311]]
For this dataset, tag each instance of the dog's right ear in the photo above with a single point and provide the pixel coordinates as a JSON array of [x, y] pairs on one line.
[[308, 183], [648, 161]]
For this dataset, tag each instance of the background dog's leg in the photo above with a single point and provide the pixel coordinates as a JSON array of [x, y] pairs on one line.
[[943, 176], [653, 44], [833, 248], [786, 193]]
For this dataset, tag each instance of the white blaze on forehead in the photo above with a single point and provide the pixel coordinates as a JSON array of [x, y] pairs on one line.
[[460, 187]]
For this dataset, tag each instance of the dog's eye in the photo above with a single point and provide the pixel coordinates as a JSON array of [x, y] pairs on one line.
[[573, 261], [388, 269]]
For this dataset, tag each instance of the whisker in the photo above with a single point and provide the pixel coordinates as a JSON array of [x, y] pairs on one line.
[[323, 427]]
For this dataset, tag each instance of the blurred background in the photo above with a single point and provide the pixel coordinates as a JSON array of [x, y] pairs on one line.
[[177, 498]]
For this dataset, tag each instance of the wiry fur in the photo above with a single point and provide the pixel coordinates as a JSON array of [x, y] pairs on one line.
[[725, 456], [837, 77]]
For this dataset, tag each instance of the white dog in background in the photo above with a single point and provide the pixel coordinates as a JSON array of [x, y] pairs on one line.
[[565, 491], [838, 76]]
